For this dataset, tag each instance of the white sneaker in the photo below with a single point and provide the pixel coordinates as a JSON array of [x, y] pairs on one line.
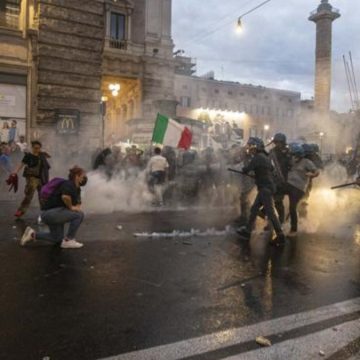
[[71, 244], [29, 235]]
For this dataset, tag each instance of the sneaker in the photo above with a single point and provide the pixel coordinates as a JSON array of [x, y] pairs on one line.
[[292, 234], [29, 235], [279, 241], [244, 233], [71, 244], [19, 214]]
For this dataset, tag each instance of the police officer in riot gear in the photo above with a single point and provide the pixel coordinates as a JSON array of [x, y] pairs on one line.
[[281, 160], [263, 169]]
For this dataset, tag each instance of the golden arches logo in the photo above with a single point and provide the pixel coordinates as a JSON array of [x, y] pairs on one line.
[[67, 123]]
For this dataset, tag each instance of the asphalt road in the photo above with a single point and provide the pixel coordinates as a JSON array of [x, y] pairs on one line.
[[121, 294]]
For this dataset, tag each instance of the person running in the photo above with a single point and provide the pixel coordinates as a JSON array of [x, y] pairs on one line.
[[61, 208], [36, 174], [261, 165], [302, 171], [157, 169]]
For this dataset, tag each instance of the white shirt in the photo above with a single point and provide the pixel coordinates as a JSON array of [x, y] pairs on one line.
[[157, 163], [22, 146]]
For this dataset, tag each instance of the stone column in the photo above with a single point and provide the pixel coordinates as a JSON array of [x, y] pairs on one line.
[[323, 18]]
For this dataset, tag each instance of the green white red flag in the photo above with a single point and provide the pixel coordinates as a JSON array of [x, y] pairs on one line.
[[169, 132]]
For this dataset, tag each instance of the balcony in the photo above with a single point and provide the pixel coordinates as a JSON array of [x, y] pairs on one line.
[[116, 44], [9, 14]]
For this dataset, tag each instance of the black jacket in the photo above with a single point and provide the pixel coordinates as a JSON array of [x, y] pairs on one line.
[[263, 169]]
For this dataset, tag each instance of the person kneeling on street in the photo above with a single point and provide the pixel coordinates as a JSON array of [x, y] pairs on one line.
[[263, 169], [63, 206]]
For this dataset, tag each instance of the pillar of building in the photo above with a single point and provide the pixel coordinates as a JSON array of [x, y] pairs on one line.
[[323, 17]]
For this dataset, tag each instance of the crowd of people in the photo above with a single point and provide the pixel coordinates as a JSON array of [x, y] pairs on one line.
[[173, 175]]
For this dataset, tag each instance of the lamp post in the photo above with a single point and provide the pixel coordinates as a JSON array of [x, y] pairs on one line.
[[266, 131], [239, 26], [114, 88], [321, 135]]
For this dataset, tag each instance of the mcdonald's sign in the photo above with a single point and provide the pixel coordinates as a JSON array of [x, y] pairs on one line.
[[67, 121]]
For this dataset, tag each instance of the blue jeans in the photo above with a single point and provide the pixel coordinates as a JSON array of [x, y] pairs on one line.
[[56, 219]]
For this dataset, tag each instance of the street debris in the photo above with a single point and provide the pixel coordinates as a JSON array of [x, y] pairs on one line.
[[263, 341], [185, 234], [14, 227], [321, 353], [243, 285], [187, 243], [119, 227]]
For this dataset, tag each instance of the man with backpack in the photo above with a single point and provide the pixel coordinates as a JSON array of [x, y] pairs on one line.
[[61, 205]]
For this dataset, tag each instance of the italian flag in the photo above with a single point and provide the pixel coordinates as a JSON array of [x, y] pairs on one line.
[[170, 133]]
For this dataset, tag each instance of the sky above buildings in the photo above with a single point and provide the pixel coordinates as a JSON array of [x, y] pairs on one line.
[[276, 48]]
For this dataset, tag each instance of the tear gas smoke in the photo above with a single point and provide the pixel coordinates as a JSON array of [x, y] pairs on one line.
[[329, 211], [103, 196]]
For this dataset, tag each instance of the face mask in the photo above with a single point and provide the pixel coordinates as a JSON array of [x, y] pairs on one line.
[[83, 181]]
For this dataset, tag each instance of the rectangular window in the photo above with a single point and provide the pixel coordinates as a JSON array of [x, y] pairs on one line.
[[117, 27], [185, 101], [9, 13]]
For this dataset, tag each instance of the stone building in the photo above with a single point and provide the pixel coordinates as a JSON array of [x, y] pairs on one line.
[[249, 110], [82, 74], [59, 59]]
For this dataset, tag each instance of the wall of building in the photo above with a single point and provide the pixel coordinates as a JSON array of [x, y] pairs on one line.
[[252, 107], [69, 53]]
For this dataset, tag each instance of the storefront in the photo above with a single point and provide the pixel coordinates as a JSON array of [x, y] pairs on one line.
[[12, 106]]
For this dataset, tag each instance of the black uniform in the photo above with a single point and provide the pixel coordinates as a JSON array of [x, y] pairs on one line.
[[263, 169], [281, 160]]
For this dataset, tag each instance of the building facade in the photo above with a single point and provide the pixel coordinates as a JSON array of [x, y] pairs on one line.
[[59, 60], [82, 74], [249, 110]]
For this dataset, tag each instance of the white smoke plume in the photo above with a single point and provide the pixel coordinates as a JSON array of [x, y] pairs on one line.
[[104, 196]]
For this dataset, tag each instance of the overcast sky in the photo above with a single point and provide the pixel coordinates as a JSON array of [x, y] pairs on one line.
[[277, 47]]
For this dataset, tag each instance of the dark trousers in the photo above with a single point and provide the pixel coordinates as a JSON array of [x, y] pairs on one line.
[[295, 196], [279, 203], [245, 204], [265, 199]]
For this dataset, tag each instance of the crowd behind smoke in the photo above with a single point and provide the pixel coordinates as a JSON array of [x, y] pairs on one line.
[[118, 181], [202, 179]]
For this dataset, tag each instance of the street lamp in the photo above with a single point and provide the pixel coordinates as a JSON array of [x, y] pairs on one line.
[[114, 88], [239, 27], [321, 135], [266, 130]]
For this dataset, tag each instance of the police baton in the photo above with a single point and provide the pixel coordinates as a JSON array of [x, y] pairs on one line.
[[241, 173], [344, 185]]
